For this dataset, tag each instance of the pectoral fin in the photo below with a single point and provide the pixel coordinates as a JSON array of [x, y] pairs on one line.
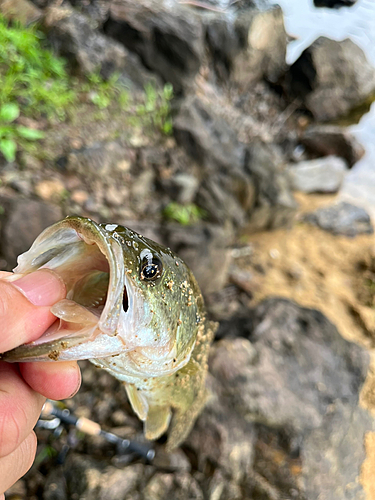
[[157, 422], [138, 401]]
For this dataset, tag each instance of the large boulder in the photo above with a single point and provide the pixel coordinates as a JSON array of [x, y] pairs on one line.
[[239, 184], [298, 381], [76, 37], [332, 78], [167, 37]]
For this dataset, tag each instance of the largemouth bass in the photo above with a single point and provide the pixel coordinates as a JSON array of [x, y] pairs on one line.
[[132, 308]]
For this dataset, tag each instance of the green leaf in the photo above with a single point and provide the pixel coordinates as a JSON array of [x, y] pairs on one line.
[[9, 112], [30, 133], [8, 148]]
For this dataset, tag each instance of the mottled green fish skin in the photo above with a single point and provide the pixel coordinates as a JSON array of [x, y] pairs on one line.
[[174, 400]]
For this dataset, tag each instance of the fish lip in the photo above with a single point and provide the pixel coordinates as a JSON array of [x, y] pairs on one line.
[[113, 312]]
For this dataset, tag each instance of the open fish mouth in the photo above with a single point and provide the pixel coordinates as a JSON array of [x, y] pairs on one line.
[[92, 320]]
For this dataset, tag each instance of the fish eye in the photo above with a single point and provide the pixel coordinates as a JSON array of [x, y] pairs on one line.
[[152, 268]]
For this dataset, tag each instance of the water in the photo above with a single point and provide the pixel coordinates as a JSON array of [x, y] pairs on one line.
[[307, 23]]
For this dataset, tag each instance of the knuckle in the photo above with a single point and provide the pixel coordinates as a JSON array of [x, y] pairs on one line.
[[12, 422]]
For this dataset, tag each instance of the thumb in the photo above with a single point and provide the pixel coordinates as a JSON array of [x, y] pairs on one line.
[[25, 307]]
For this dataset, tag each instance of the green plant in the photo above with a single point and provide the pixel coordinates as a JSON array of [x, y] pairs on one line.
[[31, 75], [104, 92], [11, 133], [186, 215], [156, 110]]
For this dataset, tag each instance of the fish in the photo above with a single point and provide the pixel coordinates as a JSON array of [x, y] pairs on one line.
[[134, 309]]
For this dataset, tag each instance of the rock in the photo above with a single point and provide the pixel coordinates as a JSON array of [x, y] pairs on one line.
[[333, 455], [22, 11], [206, 136], [186, 186], [248, 46], [96, 10], [326, 140], [332, 78], [239, 184], [342, 218], [222, 438], [22, 222], [91, 480], [180, 486], [50, 190], [167, 37], [263, 50], [274, 206], [226, 191], [324, 175], [76, 37], [206, 250], [334, 4], [100, 161], [223, 43], [298, 381]]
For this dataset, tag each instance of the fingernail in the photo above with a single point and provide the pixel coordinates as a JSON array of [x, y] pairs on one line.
[[78, 385], [41, 288]]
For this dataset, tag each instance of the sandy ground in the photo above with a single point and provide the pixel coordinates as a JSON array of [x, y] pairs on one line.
[[333, 274]]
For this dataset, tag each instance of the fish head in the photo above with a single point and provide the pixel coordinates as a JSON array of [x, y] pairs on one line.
[[127, 298]]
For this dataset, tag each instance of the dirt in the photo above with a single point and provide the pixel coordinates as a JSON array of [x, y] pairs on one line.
[[333, 274]]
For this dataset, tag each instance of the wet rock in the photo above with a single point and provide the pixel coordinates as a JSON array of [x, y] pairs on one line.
[[324, 175], [334, 4], [342, 218], [23, 220], [167, 37], [75, 36], [298, 381], [332, 78], [326, 140]]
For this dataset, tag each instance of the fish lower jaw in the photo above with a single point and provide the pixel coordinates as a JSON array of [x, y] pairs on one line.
[[132, 366]]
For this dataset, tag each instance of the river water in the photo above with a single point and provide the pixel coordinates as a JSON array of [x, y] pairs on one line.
[[306, 23]]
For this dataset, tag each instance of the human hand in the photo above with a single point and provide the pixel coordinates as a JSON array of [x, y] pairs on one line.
[[24, 317]]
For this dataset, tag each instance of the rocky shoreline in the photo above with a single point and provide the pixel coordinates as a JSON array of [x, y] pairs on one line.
[[247, 133]]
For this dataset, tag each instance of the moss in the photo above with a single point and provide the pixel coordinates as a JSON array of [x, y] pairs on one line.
[[186, 215]]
